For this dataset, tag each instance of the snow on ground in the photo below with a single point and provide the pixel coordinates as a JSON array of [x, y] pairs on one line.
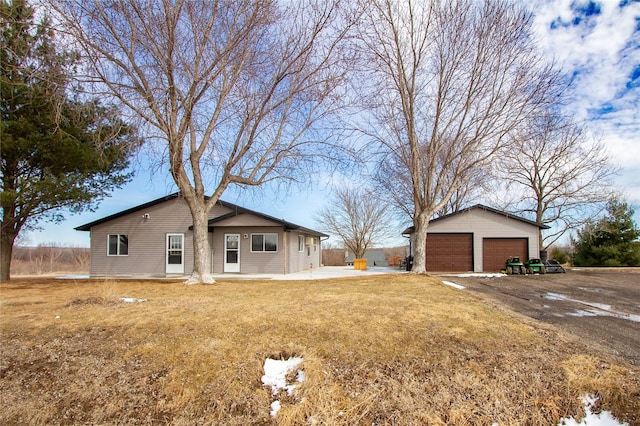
[[275, 376], [598, 309], [454, 285], [475, 275], [277, 370], [603, 418], [132, 300]]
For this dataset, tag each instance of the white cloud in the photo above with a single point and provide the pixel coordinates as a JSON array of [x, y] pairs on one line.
[[598, 43]]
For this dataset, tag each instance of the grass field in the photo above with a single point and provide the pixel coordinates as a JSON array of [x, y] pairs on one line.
[[381, 350]]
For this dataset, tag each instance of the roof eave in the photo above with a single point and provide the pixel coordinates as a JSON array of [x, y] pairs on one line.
[[411, 229], [88, 226], [288, 226]]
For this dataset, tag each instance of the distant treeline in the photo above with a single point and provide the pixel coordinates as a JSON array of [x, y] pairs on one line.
[[337, 256], [49, 258]]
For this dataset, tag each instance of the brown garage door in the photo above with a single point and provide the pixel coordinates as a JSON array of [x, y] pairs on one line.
[[495, 252], [450, 252]]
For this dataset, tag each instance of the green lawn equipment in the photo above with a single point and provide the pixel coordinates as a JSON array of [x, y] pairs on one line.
[[515, 266], [535, 266]]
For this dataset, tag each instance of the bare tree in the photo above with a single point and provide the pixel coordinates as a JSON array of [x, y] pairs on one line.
[[54, 253], [444, 83], [81, 257], [358, 217], [232, 89], [473, 188], [555, 174]]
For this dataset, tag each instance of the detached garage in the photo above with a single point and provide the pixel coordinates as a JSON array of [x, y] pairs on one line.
[[478, 239]]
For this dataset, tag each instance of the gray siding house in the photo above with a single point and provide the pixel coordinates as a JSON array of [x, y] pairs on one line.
[[156, 239]]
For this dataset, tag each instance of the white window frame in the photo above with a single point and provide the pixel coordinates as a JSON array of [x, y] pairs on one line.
[[117, 254], [301, 239], [264, 234]]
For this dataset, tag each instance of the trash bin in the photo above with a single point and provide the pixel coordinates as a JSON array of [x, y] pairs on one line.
[[409, 262], [360, 264], [544, 255]]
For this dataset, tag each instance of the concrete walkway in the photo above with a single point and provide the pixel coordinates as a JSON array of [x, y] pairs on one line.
[[311, 274], [314, 274]]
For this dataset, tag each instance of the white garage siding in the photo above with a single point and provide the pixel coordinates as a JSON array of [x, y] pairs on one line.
[[483, 222]]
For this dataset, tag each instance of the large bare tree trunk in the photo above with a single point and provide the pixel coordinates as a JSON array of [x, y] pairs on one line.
[[6, 251], [421, 224], [201, 249]]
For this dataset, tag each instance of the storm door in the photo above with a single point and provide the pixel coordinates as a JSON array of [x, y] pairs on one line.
[[231, 252], [175, 254]]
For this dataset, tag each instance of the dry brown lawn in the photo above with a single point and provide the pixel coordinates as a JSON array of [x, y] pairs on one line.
[[401, 349]]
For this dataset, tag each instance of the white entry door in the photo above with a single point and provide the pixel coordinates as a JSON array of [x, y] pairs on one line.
[[231, 252], [175, 254]]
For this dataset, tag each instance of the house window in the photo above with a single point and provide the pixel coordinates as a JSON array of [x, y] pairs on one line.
[[117, 245], [264, 242], [300, 243]]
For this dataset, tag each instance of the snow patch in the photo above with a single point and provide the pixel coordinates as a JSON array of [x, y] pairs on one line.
[[604, 418], [454, 285], [475, 275], [275, 376], [555, 296], [132, 300], [599, 309], [275, 407], [583, 313], [604, 313]]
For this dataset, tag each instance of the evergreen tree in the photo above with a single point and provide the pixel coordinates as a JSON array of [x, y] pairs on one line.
[[610, 241], [57, 152]]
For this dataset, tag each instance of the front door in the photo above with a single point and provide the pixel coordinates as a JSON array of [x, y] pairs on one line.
[[175, 254], [231, 252]]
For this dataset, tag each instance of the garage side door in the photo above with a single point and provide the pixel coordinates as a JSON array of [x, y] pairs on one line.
[[449, 252], [495, 252]]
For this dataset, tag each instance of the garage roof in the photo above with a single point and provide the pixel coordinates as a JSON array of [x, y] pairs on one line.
[[412, 229]]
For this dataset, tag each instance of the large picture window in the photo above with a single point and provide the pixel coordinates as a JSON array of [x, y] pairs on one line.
[[118, 245], [264, 242]]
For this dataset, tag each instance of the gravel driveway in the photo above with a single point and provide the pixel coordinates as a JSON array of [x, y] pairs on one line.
[[602, 306]]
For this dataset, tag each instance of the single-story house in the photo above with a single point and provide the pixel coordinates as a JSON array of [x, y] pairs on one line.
[[156, 239], [478, 239]]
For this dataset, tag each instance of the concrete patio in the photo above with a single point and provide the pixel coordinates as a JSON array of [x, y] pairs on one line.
[[311, 274]]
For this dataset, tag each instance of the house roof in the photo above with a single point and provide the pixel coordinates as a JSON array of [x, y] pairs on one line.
[[411, 229], [236, 211]]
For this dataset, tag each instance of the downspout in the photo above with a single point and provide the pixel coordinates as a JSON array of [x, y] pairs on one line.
[[286, 250], [320, 240], [410, 248]]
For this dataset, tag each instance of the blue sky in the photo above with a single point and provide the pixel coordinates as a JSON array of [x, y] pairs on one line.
[[597, 42]]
